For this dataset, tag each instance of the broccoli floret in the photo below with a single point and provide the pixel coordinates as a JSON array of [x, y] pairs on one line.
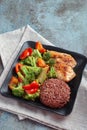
[[25, 75], [29, 78], [35, 70], [30, 73], [30, 60], [32, 96], [46, 56], [36, 53], [24, 70], [52, 73], [18, 91], [51, 62]]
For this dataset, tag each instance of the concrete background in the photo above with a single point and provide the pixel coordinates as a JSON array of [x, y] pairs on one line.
[[63, 22]]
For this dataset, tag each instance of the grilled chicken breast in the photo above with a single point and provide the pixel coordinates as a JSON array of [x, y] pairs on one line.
[[64, 58], [64, 72]]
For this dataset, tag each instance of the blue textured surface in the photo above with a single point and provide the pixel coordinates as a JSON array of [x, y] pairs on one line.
[[62, 22]]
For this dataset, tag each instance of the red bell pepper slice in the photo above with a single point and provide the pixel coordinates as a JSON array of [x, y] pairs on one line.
[[27, 52], [31, 88], [40, 47], [18, 66], [32, 91]]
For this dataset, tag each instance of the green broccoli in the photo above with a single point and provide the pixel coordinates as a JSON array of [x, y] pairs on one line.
[[46, 56], [35, 70], [29, 73], [30, 60], [52, 73], [29, 78], [18, 91], [36, 53], [25, 75], [32, 96], [50, 62], [24, 70]]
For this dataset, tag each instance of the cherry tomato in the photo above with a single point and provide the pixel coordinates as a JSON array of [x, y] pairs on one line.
[[27, 52]]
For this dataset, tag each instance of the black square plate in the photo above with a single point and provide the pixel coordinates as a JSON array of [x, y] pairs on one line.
[[74, 84]]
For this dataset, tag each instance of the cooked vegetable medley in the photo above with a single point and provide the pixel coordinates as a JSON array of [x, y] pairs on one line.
[[35, 66]]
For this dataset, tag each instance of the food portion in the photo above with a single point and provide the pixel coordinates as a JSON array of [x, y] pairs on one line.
[[64, 71], [64, 58], [43, 74], [54, 93]]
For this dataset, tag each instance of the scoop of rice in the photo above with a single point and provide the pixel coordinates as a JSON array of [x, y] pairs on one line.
[[54, 93]]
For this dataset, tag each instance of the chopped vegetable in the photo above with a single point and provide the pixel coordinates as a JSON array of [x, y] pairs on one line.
[[32, 91], [18, 91], [18, 67], [46, 56], [28, 69], [27, 52], [36, 53], [33, 96], [43, 75], [20, 77], [52, 73], [28, 73], [13, 82], [40, 47], [41, 62], [31, 88], [51, 62], [29, 76], [30, 60]]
